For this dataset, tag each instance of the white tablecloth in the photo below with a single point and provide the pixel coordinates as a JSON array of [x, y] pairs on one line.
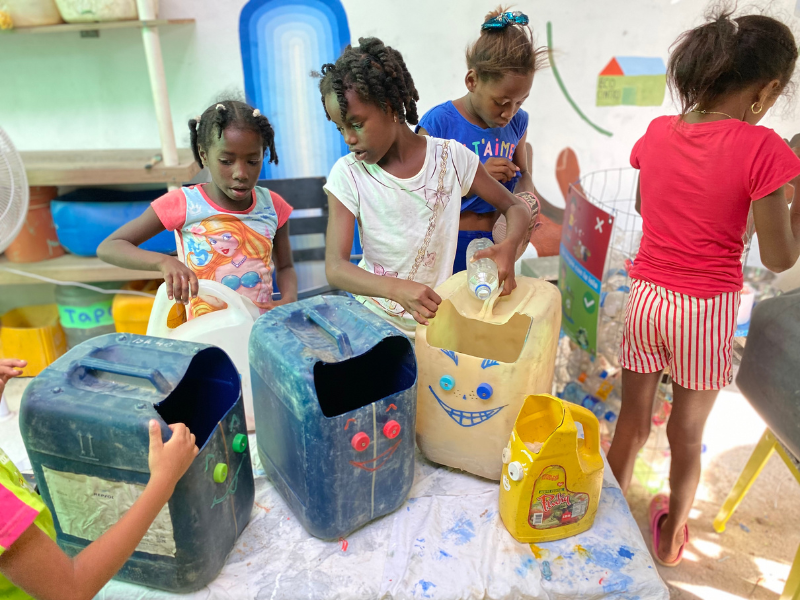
[[446, 542]]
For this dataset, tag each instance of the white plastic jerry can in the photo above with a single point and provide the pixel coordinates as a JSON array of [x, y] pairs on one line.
[[228, 329]]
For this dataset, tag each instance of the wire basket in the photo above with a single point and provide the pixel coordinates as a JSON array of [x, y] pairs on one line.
[[614, 191]]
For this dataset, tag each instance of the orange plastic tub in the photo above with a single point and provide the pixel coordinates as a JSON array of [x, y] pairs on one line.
[[37, 240]]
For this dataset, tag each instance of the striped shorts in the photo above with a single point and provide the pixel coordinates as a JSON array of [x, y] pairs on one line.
[[692, 336]]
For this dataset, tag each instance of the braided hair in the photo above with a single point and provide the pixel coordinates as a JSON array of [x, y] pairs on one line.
[[230, 113], [377, 73], [727, 55]]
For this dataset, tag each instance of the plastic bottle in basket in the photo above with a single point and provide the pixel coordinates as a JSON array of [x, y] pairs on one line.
[[481, 274], [573, 392], [600, 409], [663, 404], [579, 362]]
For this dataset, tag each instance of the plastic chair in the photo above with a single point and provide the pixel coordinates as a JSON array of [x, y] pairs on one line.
[[768, 378]]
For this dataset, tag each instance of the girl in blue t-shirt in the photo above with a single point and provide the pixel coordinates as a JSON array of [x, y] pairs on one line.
[[488, 118]]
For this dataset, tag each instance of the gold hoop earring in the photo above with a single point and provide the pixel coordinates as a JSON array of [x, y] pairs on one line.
[[755, 112]]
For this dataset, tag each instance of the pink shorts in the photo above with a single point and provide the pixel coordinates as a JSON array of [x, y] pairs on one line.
[[692, 336]]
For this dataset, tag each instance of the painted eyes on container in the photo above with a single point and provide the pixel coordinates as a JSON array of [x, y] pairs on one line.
[[361, 441], [484, 390], [391, 430], [447, 383]]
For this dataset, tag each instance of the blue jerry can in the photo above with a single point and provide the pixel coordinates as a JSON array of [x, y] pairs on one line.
[[84, 421], [334, 397]]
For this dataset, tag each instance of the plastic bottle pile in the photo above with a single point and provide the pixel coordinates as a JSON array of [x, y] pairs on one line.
[[594, 383]]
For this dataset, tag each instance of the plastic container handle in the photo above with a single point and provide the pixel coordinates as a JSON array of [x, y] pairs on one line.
[[342, 341], [154, 376], [591, 427]]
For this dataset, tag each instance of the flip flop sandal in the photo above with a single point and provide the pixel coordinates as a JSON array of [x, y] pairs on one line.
[[659, 508], [499, 230]]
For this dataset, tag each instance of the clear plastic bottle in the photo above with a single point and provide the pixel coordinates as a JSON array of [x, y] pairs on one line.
[[481, 274], [573, 392]]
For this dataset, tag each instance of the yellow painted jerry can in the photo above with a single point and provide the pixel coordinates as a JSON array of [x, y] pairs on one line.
[[552, 478], [477, 362]]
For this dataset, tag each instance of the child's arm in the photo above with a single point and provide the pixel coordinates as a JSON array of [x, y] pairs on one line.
[[778, 229], [285, 275], [36, 564], [10, 368], [521, 161], [121, 248], [419, 300], [553, 213], [517, 219]]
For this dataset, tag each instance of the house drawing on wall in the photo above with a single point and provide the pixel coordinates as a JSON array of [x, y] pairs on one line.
[[632, 81]]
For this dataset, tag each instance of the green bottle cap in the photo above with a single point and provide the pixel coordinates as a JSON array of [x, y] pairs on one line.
[[220, 472], [240, 443]]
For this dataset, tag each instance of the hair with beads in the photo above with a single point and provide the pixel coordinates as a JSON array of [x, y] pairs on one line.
[[230, 113], [727, 55], [507, 51], [377, 73]]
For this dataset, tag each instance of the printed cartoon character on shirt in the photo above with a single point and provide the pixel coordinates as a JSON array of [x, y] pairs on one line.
[[231, 252]]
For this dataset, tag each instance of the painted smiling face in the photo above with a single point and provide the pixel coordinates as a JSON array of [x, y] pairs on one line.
[[372, 452], [451, 389], [476, 367]]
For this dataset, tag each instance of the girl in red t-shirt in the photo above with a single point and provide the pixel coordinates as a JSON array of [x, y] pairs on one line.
[[700, 174]]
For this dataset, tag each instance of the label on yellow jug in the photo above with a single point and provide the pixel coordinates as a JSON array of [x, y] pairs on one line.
[[552, 504]]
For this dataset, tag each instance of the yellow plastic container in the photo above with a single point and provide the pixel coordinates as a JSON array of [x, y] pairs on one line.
[[552, 479], [132, 313], [477, 362], [33, 333]]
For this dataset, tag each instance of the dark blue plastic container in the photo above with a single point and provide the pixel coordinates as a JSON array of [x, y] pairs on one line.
[[86, 217], [84, 421], [334, 395]]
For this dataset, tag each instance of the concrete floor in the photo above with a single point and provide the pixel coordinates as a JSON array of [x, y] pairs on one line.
[[752, 558]]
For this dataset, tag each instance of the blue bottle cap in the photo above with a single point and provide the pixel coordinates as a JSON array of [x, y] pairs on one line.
[[447, 383], [484, 391], [483, 291]]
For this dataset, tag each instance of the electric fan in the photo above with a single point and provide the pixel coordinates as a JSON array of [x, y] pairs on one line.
[[13, 192], [13, 206]]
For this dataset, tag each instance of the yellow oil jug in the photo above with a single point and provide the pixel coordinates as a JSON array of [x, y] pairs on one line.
[[477, 362], [552, 478]]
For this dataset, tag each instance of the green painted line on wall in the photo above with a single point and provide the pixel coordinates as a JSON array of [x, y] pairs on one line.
[[563, 88]]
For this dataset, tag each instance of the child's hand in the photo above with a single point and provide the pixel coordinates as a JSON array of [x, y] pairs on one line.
[[420, 301], [504, 255], [10, 368], [181, 282], [501, 169], [168, 462]]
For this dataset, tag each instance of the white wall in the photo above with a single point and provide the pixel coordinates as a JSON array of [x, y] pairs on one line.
[[59, 91]]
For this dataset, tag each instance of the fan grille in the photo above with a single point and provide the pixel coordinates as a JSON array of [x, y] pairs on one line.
[[13, 192]]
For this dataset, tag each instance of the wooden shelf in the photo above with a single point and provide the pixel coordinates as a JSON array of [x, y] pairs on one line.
[[70, 268], [105, 167], [73, 27]]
